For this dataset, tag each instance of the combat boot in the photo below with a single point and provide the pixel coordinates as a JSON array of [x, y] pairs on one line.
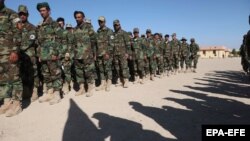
[[90, 90], [137, 80], [56, 99], [65, 88], [119, 83], [34, 96], [161, 76], [194, 70], [168, 73], [142, 80], [175, 71], [5, 106], [81, 91], [102, 86], [47, 96], [152, 77], [125, 85], [15, 108], [108, 85]]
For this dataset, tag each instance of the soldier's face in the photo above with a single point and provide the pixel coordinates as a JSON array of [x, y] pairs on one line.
[[148, 34], [174, 37], [156, 37], [117, 27], [61, 24], [44, 12], [79, 18], [23, 16], [101, 23], [136, 34], [166, 38]]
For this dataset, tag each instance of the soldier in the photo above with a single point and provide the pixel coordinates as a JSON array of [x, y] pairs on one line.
[[10, 81], [175, 46], [121, 51], [28, 54], [84, 54], [243, 54], [158, 55], [138, 57], [60, 22], [194, 49], [167, 55], [104, 54], [247, 50], [184, 54], [49, 48]]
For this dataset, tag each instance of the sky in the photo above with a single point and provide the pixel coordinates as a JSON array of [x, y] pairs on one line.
[[210, 22]]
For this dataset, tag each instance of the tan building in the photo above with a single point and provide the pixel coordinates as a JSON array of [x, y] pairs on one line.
[[214, 52]]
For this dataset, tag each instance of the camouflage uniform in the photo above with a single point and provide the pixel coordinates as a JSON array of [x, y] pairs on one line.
[[104, 48], [175, 46], [122, 46], [150, 61], [243, 54], [167, 56], [84, 56], [194, 49], [10, 81], [184, 54], [158, 55]]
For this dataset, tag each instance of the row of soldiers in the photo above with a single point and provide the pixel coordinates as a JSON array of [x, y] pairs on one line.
[[245, 52], [50, 56]]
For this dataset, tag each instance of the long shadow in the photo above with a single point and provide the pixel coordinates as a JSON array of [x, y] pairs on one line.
[[119, 129]]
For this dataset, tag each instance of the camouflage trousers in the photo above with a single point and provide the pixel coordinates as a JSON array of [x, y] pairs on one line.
[[168, 63], [193, 61], [121, 66], [159, 62], [151, 65], [66, 68], [138, 65], [105, 67], [51, 72], [176, 61], [85, 71], [10, 81], [186, 60]]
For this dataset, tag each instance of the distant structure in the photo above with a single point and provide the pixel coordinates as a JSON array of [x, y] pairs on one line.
[[214, 52]]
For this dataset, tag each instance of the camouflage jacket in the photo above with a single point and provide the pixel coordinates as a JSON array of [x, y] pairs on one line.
[[138, 48], [7, 31], [175, 46], [247, 45], [149, 47], [49, 40], [167, 49], [184, 49], [85, 38], [194, 49], [28, 39], [121, 43], [104, 45], [158, 48]]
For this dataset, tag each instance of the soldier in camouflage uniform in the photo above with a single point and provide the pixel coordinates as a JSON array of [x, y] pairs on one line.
[[167, 55], [104, 54], [194, 49], [243, 55], [10, 81], [247, 50], [184, 54], [121, 52], [158, 55], [49, 48], [138, 57], [84, 54], [28, 54], [175, 46]]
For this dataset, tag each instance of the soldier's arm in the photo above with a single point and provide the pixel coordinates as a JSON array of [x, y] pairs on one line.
[[92, 35], [110, 42], [127, 43]]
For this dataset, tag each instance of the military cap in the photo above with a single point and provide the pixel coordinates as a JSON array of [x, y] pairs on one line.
[[148, 31], [101, 18], [60, 19], [23, 9], [166, 35], [41, 5], [174, 34], [156, 34], [136, 30], [183, 39], [79, 12], [115, 22], [143, 36], [192, 40], [68, 26]]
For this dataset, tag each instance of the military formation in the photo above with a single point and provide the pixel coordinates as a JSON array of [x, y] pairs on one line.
[[58, 59], [245, 52]]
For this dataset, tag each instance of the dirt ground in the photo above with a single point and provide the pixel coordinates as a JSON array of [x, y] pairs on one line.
[[172, 108]]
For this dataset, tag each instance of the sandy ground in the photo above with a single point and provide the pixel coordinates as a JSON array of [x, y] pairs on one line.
[[171, 108]]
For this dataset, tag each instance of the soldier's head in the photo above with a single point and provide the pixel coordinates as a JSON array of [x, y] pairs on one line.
[[166, 37], [44, 9], [69, 27], [136, 32], [117, 25], [101, 21], [17, 21], [61, 22], [192, 40], [79, 17], [143, 36], [156, 36], [183, 40], [174, 36], [148, 33], [160, 36], [23, 13]]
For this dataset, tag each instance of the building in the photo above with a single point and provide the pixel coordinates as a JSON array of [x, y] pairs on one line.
[[214, 52]]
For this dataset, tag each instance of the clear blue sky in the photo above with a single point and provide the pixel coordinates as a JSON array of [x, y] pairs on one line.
[[211, 22]]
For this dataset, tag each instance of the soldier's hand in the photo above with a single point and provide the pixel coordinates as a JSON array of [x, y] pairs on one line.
[[54, 58], [126, 56], [130, 58], [67, 56], [106, 56], [13, 58], [39, 59], [145, 57]]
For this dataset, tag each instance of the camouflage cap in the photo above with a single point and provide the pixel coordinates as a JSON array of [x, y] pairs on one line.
[[101, 18], [68, 26], [148, 31], [166, 35], [22, 8], [41, 5], [136, 30], [174, 34], [192, 39], [183, 39], [116, 22]]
